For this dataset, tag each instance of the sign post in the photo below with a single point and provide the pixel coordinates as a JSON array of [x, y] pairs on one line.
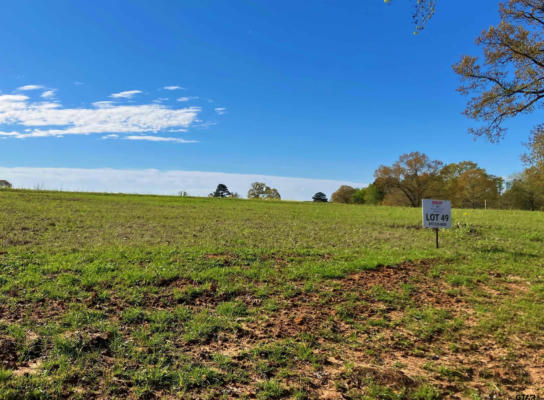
[[436, 215]]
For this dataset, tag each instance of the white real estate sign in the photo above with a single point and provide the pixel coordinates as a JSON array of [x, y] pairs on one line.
[[436, 213]]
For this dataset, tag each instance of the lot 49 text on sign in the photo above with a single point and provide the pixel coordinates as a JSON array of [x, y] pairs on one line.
[[436, 213]]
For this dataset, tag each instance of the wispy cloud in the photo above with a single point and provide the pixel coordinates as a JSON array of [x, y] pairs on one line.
[[187, 98], [160, 139], [104, 104], [174, 87], [220, 110], [48, 94], [112, 136], [152, 181], [127, 94], [30, 87], [41, 119], [6, 99]]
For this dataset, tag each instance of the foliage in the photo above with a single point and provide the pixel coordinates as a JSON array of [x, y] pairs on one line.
[[259, 190], [5, 184], [526, 191], [344, 194], [412, 175], [373, 195], [423, 12], [510, 79], [469, 186], [358, 196], [222, 191], [320, 197]]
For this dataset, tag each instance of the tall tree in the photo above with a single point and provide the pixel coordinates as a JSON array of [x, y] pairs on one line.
[[526, 191], [272, 194], [476, 189], [373, 194], [259, 190], [221, 191], [510, 80], [344, 194], [449, 178], [413, 174], [320, 197]]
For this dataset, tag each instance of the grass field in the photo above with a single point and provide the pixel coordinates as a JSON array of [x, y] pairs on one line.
[[122, 296]]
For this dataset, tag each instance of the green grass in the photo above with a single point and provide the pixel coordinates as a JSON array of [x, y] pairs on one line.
[[125, 296]]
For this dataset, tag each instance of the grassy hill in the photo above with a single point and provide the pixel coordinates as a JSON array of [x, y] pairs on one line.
[[125, 296]]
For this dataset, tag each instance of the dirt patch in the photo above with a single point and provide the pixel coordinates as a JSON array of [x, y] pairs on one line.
[[388, 355], [225, 259], [29, 369], [361, 376], [8, 353]]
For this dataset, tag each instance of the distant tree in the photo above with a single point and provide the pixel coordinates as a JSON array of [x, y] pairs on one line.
[[344, 194], [256, 191], [510, 80], [220, 191], [475, 188], [469, 186], [526, 191], [259, 190], [395, 197], [373, 194], [358, 197], [234, 195], [412, 175], [183, 193], [320, 197], [453, 171], [449, 179], [5, 184], [273, 194]]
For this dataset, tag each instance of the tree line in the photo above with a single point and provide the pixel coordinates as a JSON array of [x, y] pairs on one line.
[[258, 190], [414, 176]]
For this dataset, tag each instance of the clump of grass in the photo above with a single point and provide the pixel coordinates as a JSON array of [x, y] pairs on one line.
[[232, 309], [203, 326], [270, 390]]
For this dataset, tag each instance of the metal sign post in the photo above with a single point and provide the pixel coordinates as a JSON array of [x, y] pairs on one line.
[[436, 215]]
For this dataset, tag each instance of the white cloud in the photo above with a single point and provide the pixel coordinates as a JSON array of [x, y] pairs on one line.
[[174, 87], [152, 181], [159, 139], [187, 98], [127, 94], [112, 136], [104, 104], [41, 119], [4, 135], [7, 98], [30, 87], [220, 110], [48, 94]]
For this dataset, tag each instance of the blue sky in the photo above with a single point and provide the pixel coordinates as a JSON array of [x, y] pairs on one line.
[[324, 90]]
